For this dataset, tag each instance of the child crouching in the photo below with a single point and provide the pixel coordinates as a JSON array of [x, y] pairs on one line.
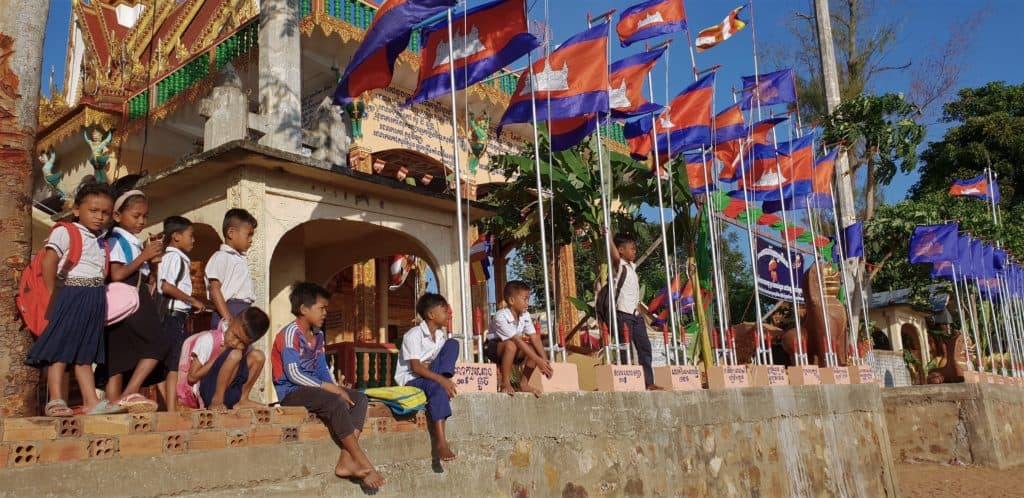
[[427, 361], [220, 366]]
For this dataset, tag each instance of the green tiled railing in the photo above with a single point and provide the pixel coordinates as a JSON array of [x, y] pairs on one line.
[[237, 44], [358, 14], [183, 78]]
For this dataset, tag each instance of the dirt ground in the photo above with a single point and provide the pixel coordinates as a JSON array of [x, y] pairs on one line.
[[935, 481]]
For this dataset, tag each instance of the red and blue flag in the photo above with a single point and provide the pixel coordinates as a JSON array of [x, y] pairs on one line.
[[769, 89], [699, 174], [684, 125], [626, 85], [486, 38], [651, 19], [373, 64], [729, 125], [571, 82], [566, 133], [932, 243], [811, 187], [978, 188]]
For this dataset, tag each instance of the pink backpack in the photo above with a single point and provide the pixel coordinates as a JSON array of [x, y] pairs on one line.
[[186, 396]]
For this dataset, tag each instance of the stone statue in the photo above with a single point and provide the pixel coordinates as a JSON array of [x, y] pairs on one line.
[[329, 135], [226, 110], [356, 111], [949, 355], [48, 160], [102, 157], [814, 321], [481, 126]]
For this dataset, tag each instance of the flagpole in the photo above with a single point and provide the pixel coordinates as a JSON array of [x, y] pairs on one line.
[[764, 354], [973, 311], [613, 316], [841, 247], [963, 323], [553, 320], [831, 361], [984, 322], [540, 207], [673, 359], [463, 290]]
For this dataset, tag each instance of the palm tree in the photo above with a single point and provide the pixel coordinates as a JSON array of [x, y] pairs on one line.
[[22, 26]]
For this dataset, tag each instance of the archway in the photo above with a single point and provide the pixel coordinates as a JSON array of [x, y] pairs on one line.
[[911, 338], [880, 340]]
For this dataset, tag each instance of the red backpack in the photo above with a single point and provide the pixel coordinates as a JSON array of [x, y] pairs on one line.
[[33, 297]]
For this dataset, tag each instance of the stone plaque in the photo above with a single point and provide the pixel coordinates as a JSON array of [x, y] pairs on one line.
[[476, 378], [677, 377], [619, 378]]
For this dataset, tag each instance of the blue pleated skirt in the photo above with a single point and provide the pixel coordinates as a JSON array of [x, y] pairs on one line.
[[74, 334]]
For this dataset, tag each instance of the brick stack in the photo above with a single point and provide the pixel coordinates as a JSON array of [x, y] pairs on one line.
[[43, 440]]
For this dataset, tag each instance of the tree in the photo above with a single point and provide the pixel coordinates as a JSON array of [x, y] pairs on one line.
[[22, 26], [885, 135]]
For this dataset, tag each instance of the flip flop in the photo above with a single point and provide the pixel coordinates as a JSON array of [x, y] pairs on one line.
[[106, 408], [137, 403], [58, 408]]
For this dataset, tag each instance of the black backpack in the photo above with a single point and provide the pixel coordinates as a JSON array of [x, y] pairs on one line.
[[164, 303], [601, 304]]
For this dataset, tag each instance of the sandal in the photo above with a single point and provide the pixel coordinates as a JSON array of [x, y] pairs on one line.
[[58, 408], [106, 408], [137, 403]]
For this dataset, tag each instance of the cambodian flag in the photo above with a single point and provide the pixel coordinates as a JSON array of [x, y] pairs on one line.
[[795, 173], [487, 38], [931, 243], [699, 173], [686, 124], [975, 187], [639, 137], [760, 130], [810, 188], [729, 125], [732, 24], [769, 89], [566, 133], [373, 64], [627, 79], [574, 78], [650, 19]]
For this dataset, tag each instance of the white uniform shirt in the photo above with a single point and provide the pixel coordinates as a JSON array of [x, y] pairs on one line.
[[418, 344], [93, 262], [117, 253], [173, 264], [629, 295], [231, 269], [504, 325]]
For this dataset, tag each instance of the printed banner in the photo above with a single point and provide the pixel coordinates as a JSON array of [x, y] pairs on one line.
[[773, 272]]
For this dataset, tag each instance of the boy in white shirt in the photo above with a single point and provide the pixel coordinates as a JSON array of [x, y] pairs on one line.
[[427, 361], [507, 342], [627, 301], [174, 283], [227, 273]]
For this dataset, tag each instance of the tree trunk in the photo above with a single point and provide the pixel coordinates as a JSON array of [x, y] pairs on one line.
[[22, 26], [869, 191]]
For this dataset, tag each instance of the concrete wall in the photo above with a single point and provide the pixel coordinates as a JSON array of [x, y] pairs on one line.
[[972, 423], [890, 367], [803, 441]]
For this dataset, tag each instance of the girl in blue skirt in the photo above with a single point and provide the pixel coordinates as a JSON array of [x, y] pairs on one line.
[[78, 305]]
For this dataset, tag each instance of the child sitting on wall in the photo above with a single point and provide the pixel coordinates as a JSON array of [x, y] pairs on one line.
[[220, 366], [427, 361], [512, 339]]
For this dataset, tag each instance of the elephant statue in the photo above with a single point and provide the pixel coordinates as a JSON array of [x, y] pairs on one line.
[[819, 312]]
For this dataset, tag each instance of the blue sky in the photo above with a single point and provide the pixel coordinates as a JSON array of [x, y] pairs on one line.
[[926, 24]]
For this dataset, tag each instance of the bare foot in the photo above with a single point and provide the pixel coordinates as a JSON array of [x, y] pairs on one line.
[[445, 453], [373, 479], [219, 407], [654, 387], [507, 389], [527, 388], [248, 404], [347, 472]]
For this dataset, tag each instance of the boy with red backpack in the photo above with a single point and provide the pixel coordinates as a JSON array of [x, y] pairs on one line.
[[219, 367]]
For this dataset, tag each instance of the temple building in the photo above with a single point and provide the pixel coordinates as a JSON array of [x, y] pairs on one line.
[[209, 105]]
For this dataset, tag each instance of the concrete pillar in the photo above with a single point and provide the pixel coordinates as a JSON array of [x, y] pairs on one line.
[[280, 75], [364, 279], [226, 110]]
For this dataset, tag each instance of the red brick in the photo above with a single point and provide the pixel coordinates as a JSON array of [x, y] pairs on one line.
[[142, 422], [203, 419], [102, 448], [175, 443], [234, 419], [30, 429], [208, 440], [5, 453], [64, 450], [377, 410], [313, 432], [172, 422], [238, 439], [288, 415], [107, 425], [403, 426], [23, 454], [265, 435], [142, 444]]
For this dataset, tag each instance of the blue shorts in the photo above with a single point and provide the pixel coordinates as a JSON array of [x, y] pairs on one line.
[[233, 393]]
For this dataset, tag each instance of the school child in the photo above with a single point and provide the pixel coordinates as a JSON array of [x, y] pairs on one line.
[[512, 339], [227, 273], [222, 366], [427, 361], [174, 283], [627, 300], [136, 346], [78, 305], [302, 378]]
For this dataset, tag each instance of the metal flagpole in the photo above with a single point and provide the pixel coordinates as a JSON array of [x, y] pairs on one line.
[[801, 352], [606, 215], [960, 310], [841, 247], [973, 311], [984, 321], [674, 358], [830, 356], [463, 289], [553, 320], [540, 207]]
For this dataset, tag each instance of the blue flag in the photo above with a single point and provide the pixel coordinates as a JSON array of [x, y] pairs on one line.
[[769, 89], [932, 243], [853, 237]]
